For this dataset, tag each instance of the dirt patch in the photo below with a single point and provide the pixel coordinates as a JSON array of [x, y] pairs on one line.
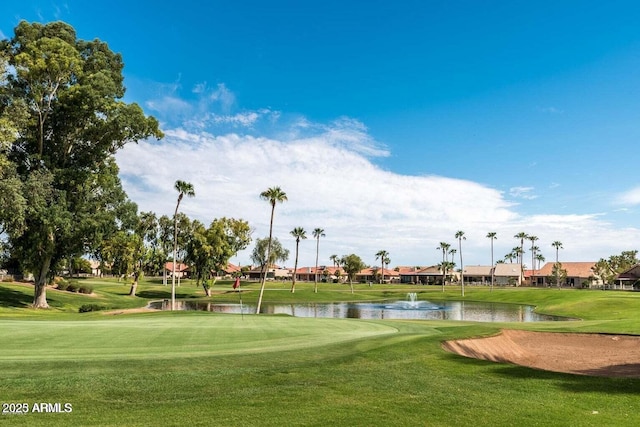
[[600, 355]]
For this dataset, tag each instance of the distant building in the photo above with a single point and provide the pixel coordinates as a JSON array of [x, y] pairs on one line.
[[477, 274], [182, 270], [579, 275], [629, 279], [508, 274]]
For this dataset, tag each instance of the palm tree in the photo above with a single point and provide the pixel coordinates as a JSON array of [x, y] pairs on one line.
[[533, 250], [445, 247], [540, 258], [273, 195], [453, 252], [334, 258], [317, 233], [184, 189], [298, 233], [492, 235], [558, 245], [382, 255], [460, 237], [521, 235], [510, 256]]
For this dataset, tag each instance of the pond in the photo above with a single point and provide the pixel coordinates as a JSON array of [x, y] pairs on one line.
[[411, 308]]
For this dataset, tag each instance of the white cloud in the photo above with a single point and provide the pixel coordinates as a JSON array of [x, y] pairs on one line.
[[224, 96], [331, 183], [630, 197], [522, 193], [329, 173]]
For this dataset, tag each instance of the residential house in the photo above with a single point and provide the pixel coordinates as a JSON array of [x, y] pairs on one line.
[[579, 275], [95, 268], [424, 276], [182, 270], [629, 279], [373, 275], [477, 274], [231, 270], [273, 273], [507, 274]]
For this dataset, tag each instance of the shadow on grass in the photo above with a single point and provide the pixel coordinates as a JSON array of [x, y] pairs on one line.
[[573, 382], [11, 298], [593, 380], [155, 294]]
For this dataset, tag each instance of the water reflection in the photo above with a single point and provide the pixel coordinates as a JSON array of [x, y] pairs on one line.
[[425, 310]]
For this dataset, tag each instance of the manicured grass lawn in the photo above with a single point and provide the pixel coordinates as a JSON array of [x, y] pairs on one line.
[[194, 368]]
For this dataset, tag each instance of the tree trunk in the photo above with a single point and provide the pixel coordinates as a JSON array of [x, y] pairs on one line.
[[351, 285], [295, 268], [134, 285], [264, 277], [40, 287]]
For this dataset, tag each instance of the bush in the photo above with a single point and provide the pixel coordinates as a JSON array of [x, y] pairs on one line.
[[85, 289], [72, 287], [85, 308], [63, 285]]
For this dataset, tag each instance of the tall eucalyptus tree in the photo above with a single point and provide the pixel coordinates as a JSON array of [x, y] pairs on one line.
[[69, 93]]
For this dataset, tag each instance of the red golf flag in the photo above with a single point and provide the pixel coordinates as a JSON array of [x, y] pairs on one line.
[[236, 284]]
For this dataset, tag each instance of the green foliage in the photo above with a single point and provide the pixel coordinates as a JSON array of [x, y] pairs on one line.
[[352, 264], [278, 252], [85, 289], [62, 101], [86, 308]]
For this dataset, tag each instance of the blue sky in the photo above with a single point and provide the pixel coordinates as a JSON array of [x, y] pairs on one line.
[[390, 124]]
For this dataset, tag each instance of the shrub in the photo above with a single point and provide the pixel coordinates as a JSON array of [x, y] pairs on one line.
[[72, 287], [85, 308], [63, 285], [85, 289]]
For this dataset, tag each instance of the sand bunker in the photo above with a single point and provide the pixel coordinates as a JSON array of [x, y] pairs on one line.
[[584, 354]]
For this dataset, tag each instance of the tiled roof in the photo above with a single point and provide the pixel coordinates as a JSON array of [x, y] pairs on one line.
[[370, 272], [574, 269], [477, 270], [507, 270], [632, 273], [179, 266]]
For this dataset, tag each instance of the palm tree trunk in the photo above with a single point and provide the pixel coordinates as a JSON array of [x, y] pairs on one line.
[[315, 287], [295, 268], [273, 207]]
